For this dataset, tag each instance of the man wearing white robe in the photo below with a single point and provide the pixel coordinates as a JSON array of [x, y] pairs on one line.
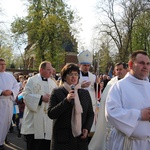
[[128, 107], [36, 124], [9, 89], [87, 80], [99, 139]]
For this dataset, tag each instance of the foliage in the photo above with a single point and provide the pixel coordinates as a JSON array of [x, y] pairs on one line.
[[141, 33], [47, 26], [6, 53], [120, 17], [103, 58]]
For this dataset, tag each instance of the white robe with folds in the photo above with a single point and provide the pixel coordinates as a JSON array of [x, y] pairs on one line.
[[98, 141], [35, 120], [7, 82], [124, 103], [92, 79]]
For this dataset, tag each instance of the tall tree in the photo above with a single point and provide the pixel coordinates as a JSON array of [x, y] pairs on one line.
[[47, 27], [141, 33], [120, 16], [6, 53]]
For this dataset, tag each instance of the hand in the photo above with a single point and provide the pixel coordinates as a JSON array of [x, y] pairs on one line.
[[85, 84], [84, 133], [145, 114], [7, 93], [46, 98], [70, 95]]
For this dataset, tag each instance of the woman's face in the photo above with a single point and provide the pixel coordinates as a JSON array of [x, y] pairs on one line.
[[72, 78]]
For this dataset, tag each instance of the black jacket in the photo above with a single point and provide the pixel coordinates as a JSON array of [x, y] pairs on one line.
[[60, 110]]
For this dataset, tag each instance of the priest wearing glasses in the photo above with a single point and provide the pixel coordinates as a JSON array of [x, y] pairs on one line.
[[36, 125]]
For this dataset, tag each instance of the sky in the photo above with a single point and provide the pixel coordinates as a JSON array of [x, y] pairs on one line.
[[85, 8]]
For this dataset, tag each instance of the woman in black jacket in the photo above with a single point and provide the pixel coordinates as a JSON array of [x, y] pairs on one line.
[[71, 109]]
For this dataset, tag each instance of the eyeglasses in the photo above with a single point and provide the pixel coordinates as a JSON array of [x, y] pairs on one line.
[[73, 74]]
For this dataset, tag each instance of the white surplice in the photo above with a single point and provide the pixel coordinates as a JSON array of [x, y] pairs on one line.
[[98, 141], [7, 82], [35, 119], [124, 103], [92, 78]]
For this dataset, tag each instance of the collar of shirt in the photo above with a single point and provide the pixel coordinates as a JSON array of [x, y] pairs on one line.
[[44, 79], [84, 74]]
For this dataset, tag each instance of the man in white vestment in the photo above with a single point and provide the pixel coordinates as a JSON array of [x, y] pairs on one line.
[[36, 124], [128, 107], [9, 89], [87, 79], [99, 139]]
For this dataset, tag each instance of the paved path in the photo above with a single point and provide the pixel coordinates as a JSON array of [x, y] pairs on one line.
[[15, 143]]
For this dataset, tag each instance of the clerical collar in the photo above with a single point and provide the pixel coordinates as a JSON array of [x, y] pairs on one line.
[[84, 74], [44, 79], [119, 78]]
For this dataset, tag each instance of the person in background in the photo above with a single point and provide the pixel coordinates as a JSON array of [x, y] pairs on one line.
[[16, 75], [21, 105], [9, 89], [54, 75], [100, 137], [70, 107], [21, 79], [87, 81], [34, 73], [128, 106], [36, 125], [106, 79]]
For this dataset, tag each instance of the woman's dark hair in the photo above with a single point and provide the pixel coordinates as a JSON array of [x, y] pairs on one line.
[[68, 68]]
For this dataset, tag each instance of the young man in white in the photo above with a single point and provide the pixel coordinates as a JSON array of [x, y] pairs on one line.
[[9, 88], [128, 107]]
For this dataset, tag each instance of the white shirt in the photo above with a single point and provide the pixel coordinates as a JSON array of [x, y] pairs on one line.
[[123, 108]]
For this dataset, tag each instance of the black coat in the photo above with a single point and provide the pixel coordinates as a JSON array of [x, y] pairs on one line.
[[60, 110]]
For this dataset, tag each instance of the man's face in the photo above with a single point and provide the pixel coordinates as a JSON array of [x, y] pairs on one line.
[[120, 71], [85, 67], [46, 73], [140, 67], [2, 66]]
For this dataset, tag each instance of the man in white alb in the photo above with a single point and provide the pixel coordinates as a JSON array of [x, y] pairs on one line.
[[9, 89], [87, 80], [36, 124], [128, 107], [100, 137]]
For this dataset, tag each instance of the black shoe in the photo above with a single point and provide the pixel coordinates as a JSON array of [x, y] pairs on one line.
[[2, 147], [19, 136], [11, 129], [6, 141]]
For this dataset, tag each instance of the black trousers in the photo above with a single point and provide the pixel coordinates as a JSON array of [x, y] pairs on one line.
[[37, 144]]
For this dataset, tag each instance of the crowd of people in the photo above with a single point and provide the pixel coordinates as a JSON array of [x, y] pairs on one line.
[[78, 110]]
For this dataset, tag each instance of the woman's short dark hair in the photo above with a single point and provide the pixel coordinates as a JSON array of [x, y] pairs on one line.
[[68, 68]]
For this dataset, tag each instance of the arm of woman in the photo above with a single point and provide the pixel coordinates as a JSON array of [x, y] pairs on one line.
[[58, 104]]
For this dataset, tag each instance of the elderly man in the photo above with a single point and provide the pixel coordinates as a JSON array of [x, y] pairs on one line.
[[9, 89], [100, 137], [128, 107], [36, 125]]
